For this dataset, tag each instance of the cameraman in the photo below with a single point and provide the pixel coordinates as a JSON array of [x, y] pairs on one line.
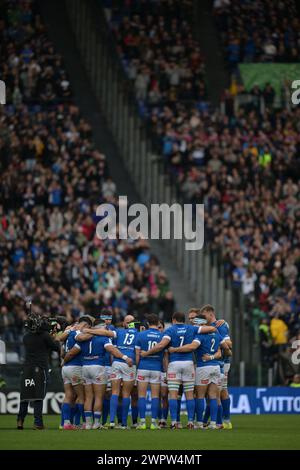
[[38, 344]]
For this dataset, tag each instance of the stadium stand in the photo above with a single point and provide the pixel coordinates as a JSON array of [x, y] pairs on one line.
[[258, 31], [243, 165], [48, 247], [159, 53]]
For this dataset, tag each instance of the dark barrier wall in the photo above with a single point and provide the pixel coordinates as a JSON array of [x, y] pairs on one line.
[[244, 400]]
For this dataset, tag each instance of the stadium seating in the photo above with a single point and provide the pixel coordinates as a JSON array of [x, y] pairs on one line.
[[258, 31], [244, 166], [52, 179]]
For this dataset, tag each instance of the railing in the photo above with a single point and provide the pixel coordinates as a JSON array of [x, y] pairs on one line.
[[202, 270]]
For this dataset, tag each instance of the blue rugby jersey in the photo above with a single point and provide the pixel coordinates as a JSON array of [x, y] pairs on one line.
[[209, 344], [107, 354], [180, 335], [93, 350], [68, 345], [146, 340], [224, 332], [125, 341]]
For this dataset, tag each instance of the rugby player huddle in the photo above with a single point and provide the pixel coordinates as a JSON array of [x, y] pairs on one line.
[[105, 369]]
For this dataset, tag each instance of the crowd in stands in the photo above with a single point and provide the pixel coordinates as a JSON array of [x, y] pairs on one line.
[[52, 180], [258, 30], [158, 52], [244, 166]]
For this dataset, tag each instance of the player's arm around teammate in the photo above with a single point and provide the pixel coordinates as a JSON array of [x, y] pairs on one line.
[[163, 344], [72, 376], [149, 371], [95, 377], [110, 348], [98, 332]]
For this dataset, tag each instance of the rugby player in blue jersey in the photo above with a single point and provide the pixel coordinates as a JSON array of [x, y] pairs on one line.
[[106, 316], [181, 368], [208, 312], [121, 372], [164, 393], [92, 352], [149, 371], [208, 373], [72, 375]]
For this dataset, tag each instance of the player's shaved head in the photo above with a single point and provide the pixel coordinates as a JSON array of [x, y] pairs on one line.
[[128, 319]]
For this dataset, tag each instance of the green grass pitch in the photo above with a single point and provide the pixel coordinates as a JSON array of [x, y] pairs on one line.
[[250, 432]]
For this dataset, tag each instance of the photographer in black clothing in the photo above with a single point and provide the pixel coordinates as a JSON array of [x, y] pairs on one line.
[[38, 343]]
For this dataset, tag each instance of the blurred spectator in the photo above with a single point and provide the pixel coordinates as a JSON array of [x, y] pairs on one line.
[[52, 180], [296, 381], [278, 330], [244, 165], [265, 343], [258, 30], [158, 52]]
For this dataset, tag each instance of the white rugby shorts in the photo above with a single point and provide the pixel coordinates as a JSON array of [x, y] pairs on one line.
[[72, 375], [150, 376], [94, 374], [122, 371], [208, 374], [181, 372]]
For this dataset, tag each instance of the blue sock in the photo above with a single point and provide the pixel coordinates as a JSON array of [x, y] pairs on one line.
[[66, 411], [134, 414], [88, 416], [178, 409], [82, 412], [190, 407], [142, 407], [173, 409], [97, 417], [125, 411], [213, 409], [113, 407], [154, 407], [226, 409], [119, 413], [206, 414], [79, 414], [159, 414], [220, 415], [105, 410], [200, 405], [165, 412], [73, 413]]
